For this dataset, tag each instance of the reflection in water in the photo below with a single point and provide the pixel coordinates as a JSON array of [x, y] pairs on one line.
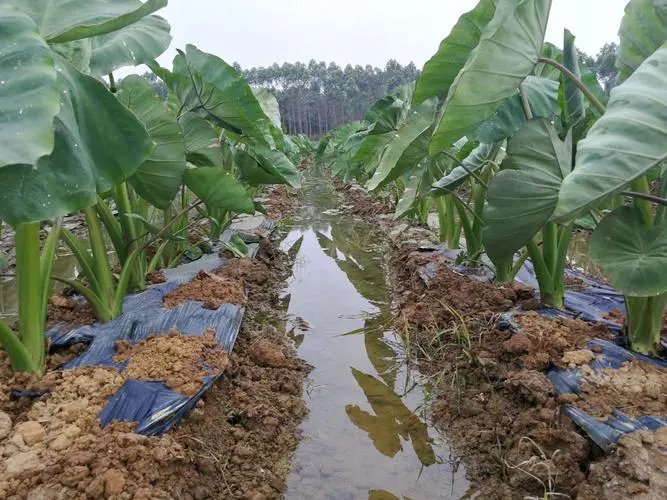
[[362, 439], [64, 266], [391, 420]]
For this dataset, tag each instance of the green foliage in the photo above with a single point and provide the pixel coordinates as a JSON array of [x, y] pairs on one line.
[[389, 168], [159, 178], [508, 50], [632, 256], [624, 144], [542, 96], [207, 85], [441, 70], [28, 90], [98, 143], [522, 196], [132, 45], [218, 188], [643, 31]]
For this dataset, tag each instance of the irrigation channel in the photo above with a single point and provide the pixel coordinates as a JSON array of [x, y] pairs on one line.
[[365, 436]]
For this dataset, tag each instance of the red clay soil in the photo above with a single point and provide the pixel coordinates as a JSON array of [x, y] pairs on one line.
[[70, 313], [361, 203], [235, 444], [283, 200], [494, 402], [208, 288], [181, 361]]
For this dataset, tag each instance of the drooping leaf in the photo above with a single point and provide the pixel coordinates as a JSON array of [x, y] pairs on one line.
[[574, 98], [522, 197], [28, 90], [385, 115], [202, 146], [411, 192], [269, 105], [218, 188], [62, 21], [211, 87], [632, 256], [98, 143], [542, 95], [626, 142], [261, 165], [132, 45], [508, 50], [440, 71], [473, 163], [643, 31], [159, 178], [418, 121]]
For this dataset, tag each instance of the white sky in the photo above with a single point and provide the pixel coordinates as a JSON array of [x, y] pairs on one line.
[[261, 32]]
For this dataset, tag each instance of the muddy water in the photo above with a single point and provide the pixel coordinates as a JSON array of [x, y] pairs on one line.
[[64, 266], [365, 436]]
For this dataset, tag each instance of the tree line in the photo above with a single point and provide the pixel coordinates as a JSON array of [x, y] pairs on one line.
[[315, 97]]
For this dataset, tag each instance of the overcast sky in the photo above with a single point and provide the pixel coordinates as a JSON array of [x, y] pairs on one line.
[[261, 32]]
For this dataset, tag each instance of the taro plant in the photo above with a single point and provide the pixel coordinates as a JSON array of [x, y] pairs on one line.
[[621, 152], [63, 137]]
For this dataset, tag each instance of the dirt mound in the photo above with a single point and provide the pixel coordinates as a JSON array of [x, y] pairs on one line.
[[235, 444], [253, 274], [181, 361], [55, 449], [635, 470], [636, 389], [283, 201], [492, 397], [208, 288], [69, 312], [449, 296], [360, 202]]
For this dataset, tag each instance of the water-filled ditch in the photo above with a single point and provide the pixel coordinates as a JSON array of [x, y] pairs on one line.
[[366, 436]]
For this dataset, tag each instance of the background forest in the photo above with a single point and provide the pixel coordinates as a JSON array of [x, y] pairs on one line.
[[315, 97]]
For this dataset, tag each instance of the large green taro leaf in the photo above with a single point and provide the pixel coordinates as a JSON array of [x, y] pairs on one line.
[[508, 50], [542, 96], [261, 165], [418, 121], [218, 188], [643, 31], [522, 197], [211, 87], [98, 143], [625, 143], [66, 20], [158, 179], [202, 145], [440, 71], [135, 44], [28, 90], [632, 256]]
